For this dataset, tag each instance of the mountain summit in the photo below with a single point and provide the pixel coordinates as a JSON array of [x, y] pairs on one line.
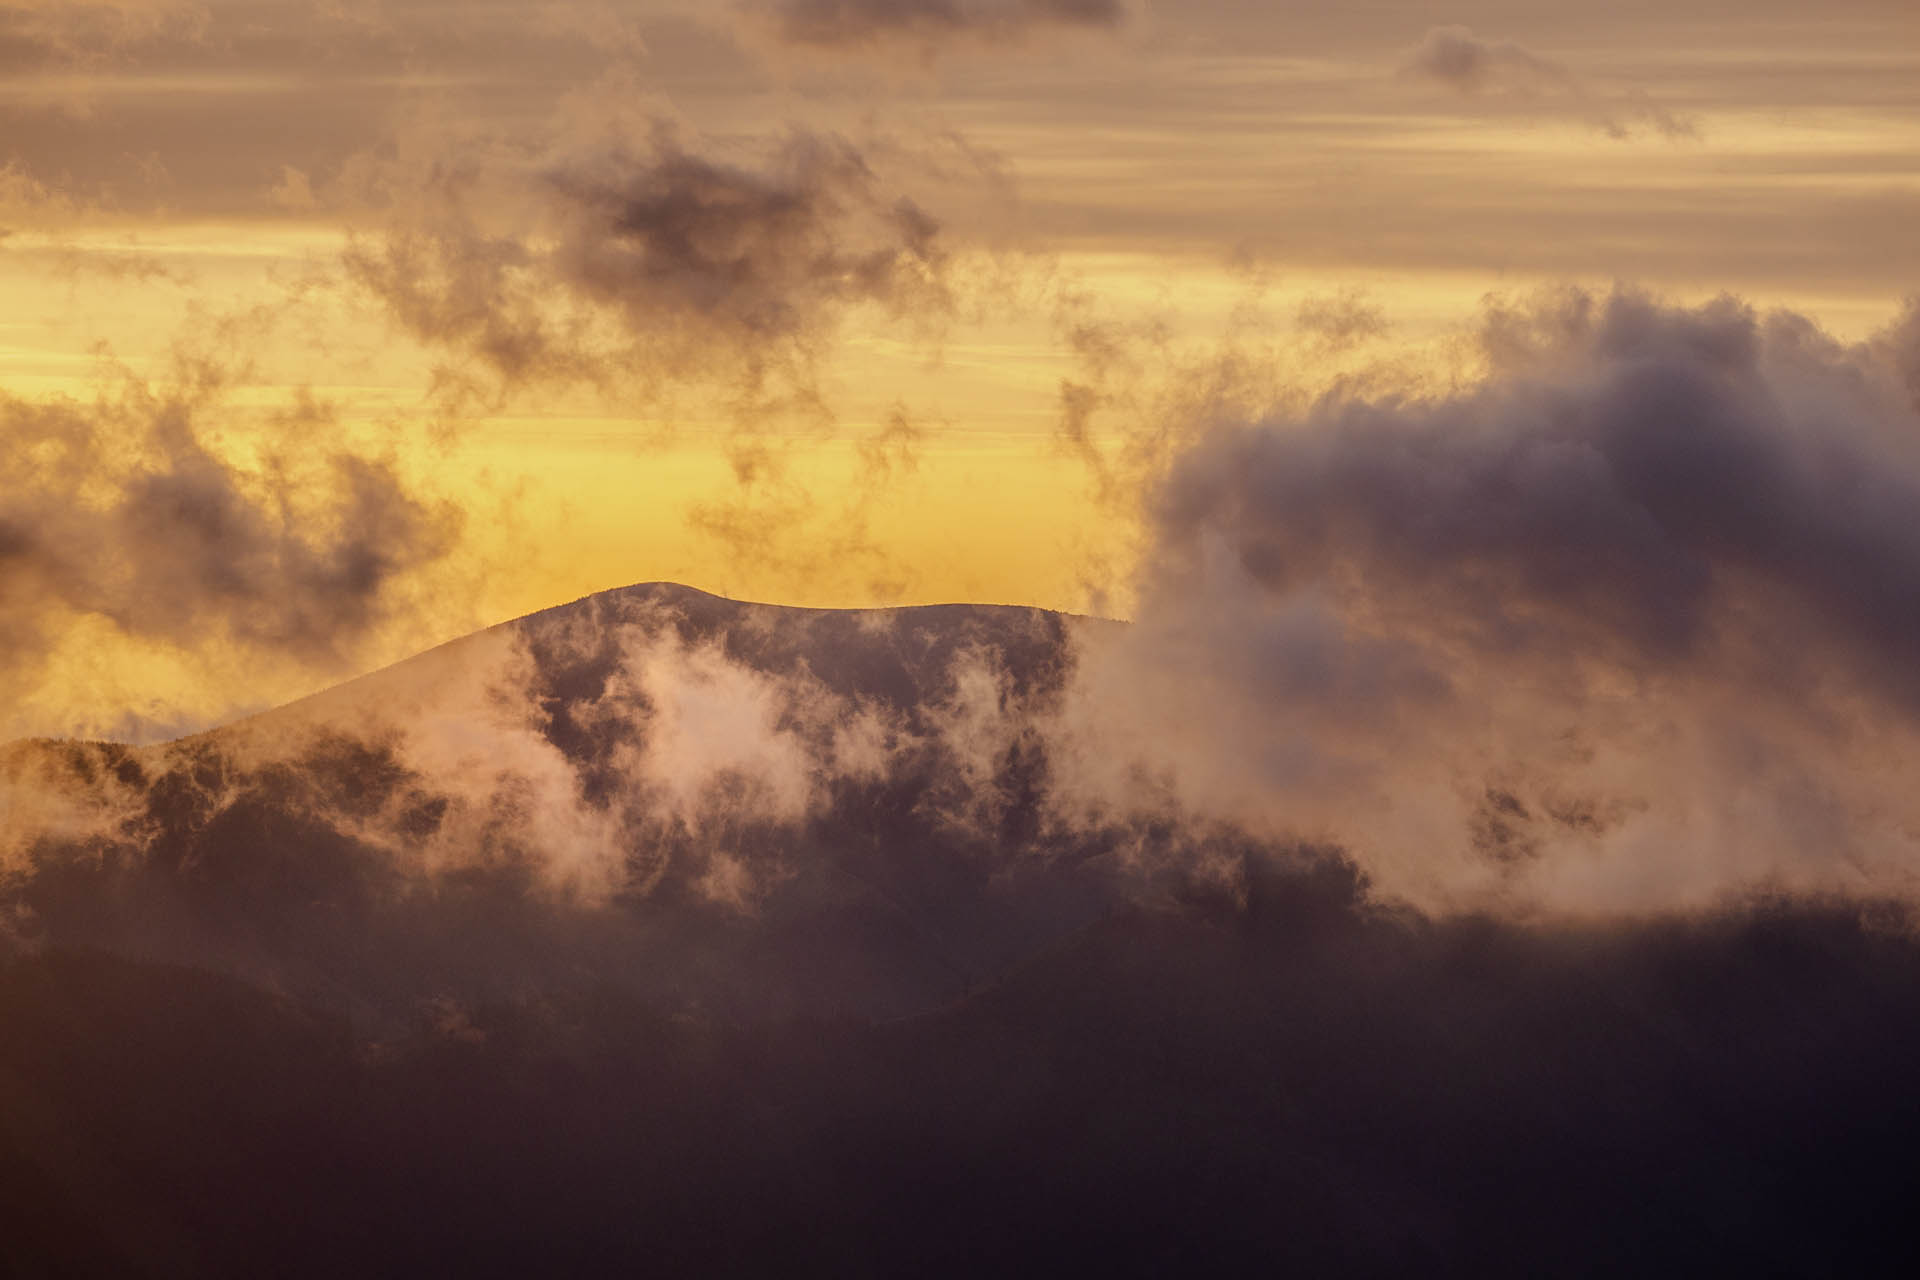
[[725, 806]]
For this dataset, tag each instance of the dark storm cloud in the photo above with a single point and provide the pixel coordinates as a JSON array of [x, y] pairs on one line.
[[643, 258], [1632, 618], [1632, 497], [125, 510], [851, 23], [1473, 65]]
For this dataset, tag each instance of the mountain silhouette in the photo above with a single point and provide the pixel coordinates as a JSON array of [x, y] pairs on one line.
[[458, 967], [253, 849]]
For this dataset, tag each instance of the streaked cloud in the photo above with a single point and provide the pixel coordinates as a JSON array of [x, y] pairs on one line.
[[862, 23], [1473, 65]]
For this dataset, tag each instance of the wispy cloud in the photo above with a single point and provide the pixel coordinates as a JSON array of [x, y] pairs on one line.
[[126, 510], [1476, 66], [850, 24], [633, 256]]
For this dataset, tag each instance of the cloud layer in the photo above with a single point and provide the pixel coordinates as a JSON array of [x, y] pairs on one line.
[[1627, 625], [1623, 627]]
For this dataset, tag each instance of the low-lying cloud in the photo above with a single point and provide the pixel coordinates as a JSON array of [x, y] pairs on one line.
[[1623, 627], [1628, 625]]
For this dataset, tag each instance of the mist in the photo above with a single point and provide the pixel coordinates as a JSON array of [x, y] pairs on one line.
[[1366, 725]]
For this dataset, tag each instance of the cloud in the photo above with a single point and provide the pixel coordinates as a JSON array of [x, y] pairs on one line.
[[656, 786], [608, 750], [719, 726], [1456, 57], [89, 33], [633, 257], [809, 533], [1142, 386], [749, 257], [632, 745], [1627, 625], [841, 24], [83, 795], [127, 511], [28, 203], [1474, 65], [1900, 348], [1623, 626], [1341, 320]]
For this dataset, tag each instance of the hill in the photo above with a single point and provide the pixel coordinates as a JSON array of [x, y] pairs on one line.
[[666, 934]]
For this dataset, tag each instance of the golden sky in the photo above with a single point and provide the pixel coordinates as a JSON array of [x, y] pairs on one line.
[[336, 328]]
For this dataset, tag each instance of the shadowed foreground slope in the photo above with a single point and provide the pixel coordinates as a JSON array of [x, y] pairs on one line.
[[1297, 1081], [251, 1026]]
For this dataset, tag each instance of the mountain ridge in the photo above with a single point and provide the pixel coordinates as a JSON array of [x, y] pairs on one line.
[[676, 935], [563, 766]]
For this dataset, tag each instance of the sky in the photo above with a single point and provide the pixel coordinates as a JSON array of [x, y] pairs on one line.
[[337, 329]]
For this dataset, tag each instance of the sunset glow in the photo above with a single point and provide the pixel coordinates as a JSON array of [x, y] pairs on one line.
[[959, 637], [212, 180]]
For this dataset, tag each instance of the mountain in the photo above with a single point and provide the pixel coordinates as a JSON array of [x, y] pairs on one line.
[[749, 810], [665, 934]]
